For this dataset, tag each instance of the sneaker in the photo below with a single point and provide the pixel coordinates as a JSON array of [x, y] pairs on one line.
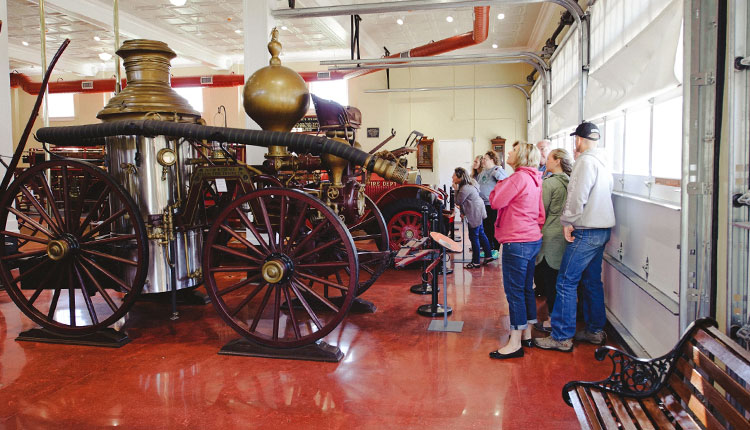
[[587, 336], [541, 327], [551, 343], [495, 254], [481, 254]]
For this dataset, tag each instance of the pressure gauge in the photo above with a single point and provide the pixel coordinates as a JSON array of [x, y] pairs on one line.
[[166, 157]]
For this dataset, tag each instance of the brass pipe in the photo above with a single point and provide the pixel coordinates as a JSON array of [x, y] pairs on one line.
[[118, 80]]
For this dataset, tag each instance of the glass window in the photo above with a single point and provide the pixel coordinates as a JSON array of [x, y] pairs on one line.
[[613, 140], [194, 96], [667, 147], [61, 105], [637, 137], [337, 91]]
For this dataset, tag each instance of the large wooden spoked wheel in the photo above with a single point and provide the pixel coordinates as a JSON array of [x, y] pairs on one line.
[[85, 257], [271, 281], [370, 236]]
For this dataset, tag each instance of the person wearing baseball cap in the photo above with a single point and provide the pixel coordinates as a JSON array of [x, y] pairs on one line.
[[587, 219]]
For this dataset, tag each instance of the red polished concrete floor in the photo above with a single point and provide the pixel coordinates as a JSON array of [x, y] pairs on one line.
[[395, 374]]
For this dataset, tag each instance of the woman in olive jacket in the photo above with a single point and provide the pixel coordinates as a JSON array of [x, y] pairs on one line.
[[554, 193]]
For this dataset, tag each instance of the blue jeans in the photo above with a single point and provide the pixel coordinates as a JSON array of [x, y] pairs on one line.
[[476, 235], [582, 261], [519, 259]]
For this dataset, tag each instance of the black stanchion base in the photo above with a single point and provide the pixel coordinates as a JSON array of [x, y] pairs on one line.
[[318, 351], [429, 310], [108, 338], [424, 288], [185, 297]]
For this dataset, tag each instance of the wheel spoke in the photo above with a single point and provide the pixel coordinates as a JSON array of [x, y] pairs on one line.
[[53, 303], [322, 281], [330, 264], [40, 287], [241, 239], [23, 254], [297, 225], [236, 253], [318, 296], [314, 233], [95, 242], [305, 304], [111, 257], [261, 308], [84, 189], [232, 269], [66, 203], [252, 228], [31, 221], [366, 269], [269, 227], [362, 223], [93, 212], [247, 299], [318, 249], [86, 298], [104, 223], [276, 311], [282, 221], [42, 211], [101, 290], [30, 271], [293, 319], [52, 203], [71, 299], [24, 237], [366, 237], [117, 280], [238, 285]]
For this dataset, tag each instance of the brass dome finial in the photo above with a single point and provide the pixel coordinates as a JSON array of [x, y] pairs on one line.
[[274, 48]]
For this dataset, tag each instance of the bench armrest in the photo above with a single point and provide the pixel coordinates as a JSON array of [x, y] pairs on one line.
[[637, 377]]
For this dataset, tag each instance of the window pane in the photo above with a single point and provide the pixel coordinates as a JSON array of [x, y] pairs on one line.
[[337, 91], [613, 141], [61, 105], [194, 96], [667, 151], [637, 135]]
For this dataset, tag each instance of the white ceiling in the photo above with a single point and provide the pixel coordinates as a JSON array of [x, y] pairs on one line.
[[208, 32]]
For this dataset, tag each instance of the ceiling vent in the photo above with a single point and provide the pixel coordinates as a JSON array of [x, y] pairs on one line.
[[87, 85], [324, 75], [207, 80]]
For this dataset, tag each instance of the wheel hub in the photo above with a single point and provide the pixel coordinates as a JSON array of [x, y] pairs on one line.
[[277, 268], [61, 248]]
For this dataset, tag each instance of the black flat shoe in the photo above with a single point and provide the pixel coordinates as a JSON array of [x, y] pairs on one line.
[[514, 354], [528, 343]]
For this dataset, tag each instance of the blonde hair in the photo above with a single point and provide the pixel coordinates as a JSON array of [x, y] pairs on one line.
[[566, 161], [528, 155]]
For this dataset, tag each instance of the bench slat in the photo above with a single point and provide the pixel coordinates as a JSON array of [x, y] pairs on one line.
[[657, 415], [601, 404], [589, 409], [581, 414], [693, 403], [732, 345], [712, 396], [678, 412], [719, 350], [643, 420], [621, 411], [719, 375]]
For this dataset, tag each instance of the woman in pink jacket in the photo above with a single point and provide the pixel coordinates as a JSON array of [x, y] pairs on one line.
[[520, 217]]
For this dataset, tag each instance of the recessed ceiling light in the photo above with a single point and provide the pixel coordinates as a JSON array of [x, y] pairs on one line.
[[400, 21], [500, 16], [494, 46], [238, 31], [105, 56], [284, 27], [449, 18], [178, 2], [97, 38], [24, 43]]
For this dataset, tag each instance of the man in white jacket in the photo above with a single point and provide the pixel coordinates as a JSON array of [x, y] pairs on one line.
[[587, 219]]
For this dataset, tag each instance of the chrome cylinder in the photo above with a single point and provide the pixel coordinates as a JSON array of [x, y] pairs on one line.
[[153, 171]]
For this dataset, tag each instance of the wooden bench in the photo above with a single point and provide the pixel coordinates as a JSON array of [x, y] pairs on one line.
[[701, 384]]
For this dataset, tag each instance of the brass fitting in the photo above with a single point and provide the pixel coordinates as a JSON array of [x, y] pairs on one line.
[[387, 169]]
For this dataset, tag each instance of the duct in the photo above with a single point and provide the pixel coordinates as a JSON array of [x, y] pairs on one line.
[[468, 61], [462, 87]]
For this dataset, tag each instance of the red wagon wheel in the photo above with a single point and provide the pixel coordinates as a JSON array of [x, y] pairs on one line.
[[86, 255], [271, 281], [370, 235]]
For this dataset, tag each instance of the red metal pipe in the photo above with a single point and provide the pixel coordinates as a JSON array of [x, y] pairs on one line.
[[478, 35]]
